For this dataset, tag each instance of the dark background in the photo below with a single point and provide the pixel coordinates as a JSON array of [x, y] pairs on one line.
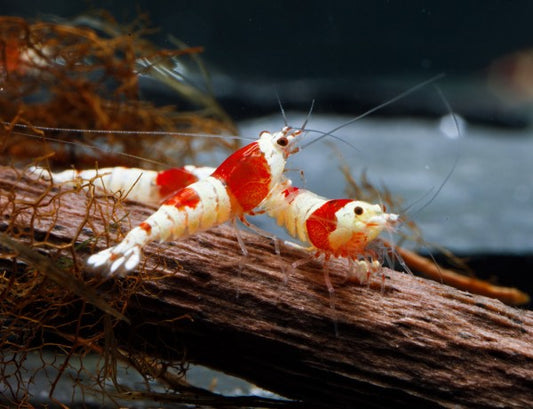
[[348, 55], [289, 39]]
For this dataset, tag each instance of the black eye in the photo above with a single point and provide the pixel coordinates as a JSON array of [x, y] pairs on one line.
[[283, 141], [358, 210]]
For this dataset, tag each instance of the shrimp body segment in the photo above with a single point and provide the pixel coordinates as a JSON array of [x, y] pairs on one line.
[[141, 185], [238, 186], [334, 228]]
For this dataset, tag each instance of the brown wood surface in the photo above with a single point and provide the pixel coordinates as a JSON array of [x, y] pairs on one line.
[[402, 340]]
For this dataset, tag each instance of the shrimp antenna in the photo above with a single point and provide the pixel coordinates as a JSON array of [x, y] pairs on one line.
[[123, 132], [302, 128], [378, 107], [283, 114], [308, 115], [93, 147], [459, 134], [324, 134]]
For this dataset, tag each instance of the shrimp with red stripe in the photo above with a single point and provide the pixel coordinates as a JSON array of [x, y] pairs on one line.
[[338, 228], [237, 187], [342, 228]]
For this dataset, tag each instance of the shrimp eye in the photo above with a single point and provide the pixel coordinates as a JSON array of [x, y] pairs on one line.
[[283, 141], [358, 210]]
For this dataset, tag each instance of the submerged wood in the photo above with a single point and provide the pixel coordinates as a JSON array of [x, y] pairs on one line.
[[401, 341]]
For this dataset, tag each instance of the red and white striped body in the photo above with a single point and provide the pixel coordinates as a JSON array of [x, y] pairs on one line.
[[333, 228], [238, 186], [199, 206], [141, 185]]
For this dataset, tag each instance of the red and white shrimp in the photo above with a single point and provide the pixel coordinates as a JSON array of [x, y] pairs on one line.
[[342, 228], [237, 187], [333, 228]]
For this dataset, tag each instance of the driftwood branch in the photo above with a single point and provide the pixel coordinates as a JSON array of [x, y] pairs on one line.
[[402, 340]]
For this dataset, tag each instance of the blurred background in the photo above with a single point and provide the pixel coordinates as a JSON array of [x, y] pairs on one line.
[[346, 55]]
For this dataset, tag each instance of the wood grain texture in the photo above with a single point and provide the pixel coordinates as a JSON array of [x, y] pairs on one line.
[[402, 340]]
